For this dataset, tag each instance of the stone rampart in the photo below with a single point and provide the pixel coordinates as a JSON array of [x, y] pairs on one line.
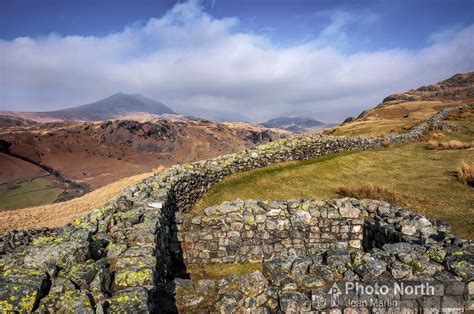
[[118, 257], [240, 231]]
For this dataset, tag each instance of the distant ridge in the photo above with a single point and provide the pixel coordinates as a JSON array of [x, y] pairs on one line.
[[296, 124], [115, 106]]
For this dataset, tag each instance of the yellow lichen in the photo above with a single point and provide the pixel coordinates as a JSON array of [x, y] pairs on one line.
[[250, 220], [9, 271], [134, 278], [28, 301], [47, 240], [5, 306], [122, 299], [34, 272]]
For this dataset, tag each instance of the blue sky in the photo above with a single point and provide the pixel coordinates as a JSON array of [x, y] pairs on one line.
[[376, 24], [259, 58]]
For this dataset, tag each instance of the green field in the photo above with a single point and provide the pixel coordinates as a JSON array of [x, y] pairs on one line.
[[31, 193], [424, 178]]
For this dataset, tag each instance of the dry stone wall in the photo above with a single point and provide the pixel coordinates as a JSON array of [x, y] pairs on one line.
[[401, 248], [118, 257], [240, 231]]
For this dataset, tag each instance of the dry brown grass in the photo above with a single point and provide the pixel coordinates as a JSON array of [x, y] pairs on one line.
[[463, 113], [452, 144], [372, 191], [394, 118], [432, 136], [53, 215], [159, 169], [466, 172], [218, 271]]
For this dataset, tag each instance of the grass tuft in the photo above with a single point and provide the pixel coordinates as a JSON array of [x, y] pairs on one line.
[[432, 136], [466, 173], [221, 270], [372, 191], [452, 144]]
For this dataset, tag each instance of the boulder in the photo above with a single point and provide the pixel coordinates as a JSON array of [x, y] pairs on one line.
[[47, 254], [253, 284], [130, 300], [134, 277], [294, 302], [69, 301], [230, 302], [400, 270], [82, 274], [21, 289]]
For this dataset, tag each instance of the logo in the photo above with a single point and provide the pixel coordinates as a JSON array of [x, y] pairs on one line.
[[334, 295]]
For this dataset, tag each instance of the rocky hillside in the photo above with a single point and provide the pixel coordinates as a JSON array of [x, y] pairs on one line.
[[7, 121], [458, 88], [93, 154], [297, 125], [398, 112]]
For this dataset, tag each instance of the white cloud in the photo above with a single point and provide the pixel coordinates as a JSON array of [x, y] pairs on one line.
[[197, 64]]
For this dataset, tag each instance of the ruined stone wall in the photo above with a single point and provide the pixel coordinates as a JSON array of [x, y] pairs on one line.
[[424, 252], [239, 231], [117, 257]]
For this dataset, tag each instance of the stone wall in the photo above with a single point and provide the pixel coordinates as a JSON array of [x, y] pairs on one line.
[[424, 252], [118, 257], [241, 231]]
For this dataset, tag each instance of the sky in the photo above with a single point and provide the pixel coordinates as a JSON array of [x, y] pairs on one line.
[[245, 59]]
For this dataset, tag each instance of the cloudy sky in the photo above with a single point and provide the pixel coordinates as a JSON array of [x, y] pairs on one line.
[[255, 59]]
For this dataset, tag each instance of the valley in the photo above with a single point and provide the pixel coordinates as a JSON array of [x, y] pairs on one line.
[[73, 157]]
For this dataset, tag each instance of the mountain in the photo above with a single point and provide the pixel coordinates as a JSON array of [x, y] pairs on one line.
[[111, 107], [399, 112], [296, 124], [77, 156]]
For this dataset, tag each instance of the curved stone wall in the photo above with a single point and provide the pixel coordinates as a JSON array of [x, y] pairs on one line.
[[240, 231], [401, 249], [118, 257]]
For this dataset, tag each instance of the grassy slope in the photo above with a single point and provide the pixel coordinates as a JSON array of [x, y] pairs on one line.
[[390, 118], [30, 193], [425, 179], [53, 215]]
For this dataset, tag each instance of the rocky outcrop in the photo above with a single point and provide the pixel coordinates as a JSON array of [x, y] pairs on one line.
[[120, 257], [455, 91], [10, 240]]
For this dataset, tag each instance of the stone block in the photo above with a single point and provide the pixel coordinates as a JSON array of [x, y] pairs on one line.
[[349, 212]]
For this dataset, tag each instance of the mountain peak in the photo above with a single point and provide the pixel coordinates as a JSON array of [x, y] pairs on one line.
[[114, 106], [122, 95]]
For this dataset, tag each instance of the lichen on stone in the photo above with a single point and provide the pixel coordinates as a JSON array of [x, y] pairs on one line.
[[134, 277]]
